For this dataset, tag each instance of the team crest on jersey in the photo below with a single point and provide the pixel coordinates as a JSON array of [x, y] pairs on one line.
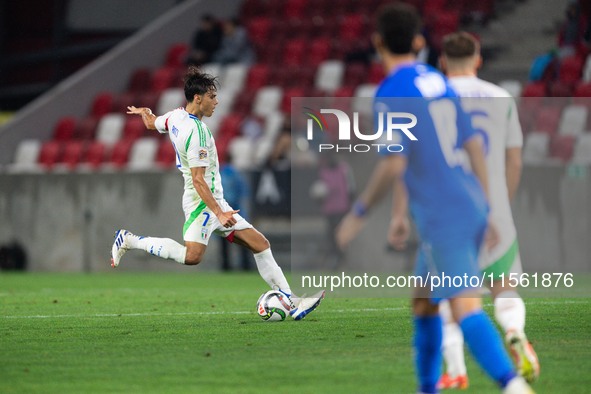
[[175, 131], [202, 154], [204, 233]]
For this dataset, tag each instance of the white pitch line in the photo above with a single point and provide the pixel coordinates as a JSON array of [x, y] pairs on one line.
[[356, 310]]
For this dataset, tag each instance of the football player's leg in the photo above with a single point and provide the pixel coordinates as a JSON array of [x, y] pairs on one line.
[[161, 247], [453, 351]]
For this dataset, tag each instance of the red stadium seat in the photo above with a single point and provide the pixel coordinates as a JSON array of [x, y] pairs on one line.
[[140, 80], [72, 153], [124, 100], [295, 8], [355, 74], [259, 29], [583, 89], [570, 70], [562, 147], [64, 129], [133, 129], [50, 154], [257, 76], [86, 129], [376, 73], [294, 52], [288, 95], [162, 79], [120, 154], [560, 89], [243, 102], [103, 104], [94, 155], [176, 55], [319, 51], [166, 156], [547, 119], [352, 27]]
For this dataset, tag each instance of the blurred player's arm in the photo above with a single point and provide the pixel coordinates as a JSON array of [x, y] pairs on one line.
[[147, 116], [473, 146], [476, 154], [198, 176], [380, 182], [399, 229], [513, 167]]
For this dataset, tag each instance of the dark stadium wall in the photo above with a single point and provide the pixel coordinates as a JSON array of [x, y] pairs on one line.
[[74, 95]]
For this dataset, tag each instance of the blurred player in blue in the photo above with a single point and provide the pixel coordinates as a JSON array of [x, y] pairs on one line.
[[448, 202]]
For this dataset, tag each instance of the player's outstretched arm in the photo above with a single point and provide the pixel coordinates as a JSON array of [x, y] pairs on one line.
[[147, 116]]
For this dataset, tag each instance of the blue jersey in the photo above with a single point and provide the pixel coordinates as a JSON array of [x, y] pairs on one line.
[[446, 199]]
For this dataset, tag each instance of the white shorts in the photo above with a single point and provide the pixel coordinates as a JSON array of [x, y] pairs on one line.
[[504, 258], [200, 222]]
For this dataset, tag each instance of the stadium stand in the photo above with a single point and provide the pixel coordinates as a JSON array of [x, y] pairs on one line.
[[281, 32]]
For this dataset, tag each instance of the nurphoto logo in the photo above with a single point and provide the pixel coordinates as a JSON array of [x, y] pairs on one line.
[[382, 139]]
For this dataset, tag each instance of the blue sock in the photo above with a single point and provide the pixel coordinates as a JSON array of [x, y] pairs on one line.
[[427, 343], [487, 347]]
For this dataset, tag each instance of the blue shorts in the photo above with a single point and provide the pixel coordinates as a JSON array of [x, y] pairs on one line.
[[450, 266]]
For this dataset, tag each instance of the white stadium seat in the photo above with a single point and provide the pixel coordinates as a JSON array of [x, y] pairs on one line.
[[25, 158], [234, 77], [513, 86], [143, 153], [582, 152], [170, 99], [329, 76], [573, 120], [110, 128], [535, 149], [267, 100]]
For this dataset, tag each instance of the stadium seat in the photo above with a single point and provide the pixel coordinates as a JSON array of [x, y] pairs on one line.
[[295, 8], [26, 156], [148, 99], [50, 154], [226, 99], [163, 78], [165, 156], [318, 51], [176, 55], [570, 70], [170, 99], [257, 76], [560, 89], [582, 150], [352, 27], [562, 147], [72, 154], [142, 154], [295, 52], [376, 73], [573, 120], [267, 100], [215, 69], [329, 76], [85, 129], [64, 129], [288, 94], [94, 155], [534, 89], [259, 29], [241, 149], [119, 154], [110, 128], [355, 74], [103, 104], [133, 129], [140, 80], [587, 69], [126, 99], [535, 149], [547, 118], [362, 102]]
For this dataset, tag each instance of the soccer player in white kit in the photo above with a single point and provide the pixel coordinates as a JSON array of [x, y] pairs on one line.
[[206, 210], [494, 114]]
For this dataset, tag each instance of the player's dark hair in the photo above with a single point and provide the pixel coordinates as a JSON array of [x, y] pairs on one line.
[[459, 45], [197, 82], [398, 24]]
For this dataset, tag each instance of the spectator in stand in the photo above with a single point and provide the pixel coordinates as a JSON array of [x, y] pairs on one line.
[[235, 192], [280, 155], [206, 41], [235, 46], [572, 30]]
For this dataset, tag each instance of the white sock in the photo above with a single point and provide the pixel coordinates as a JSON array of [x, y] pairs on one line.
[[510, 311], [453, 342], [270, 271], [161, 247]]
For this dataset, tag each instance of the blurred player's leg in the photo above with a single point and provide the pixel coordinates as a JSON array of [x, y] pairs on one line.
[[427, 344], [455, 375], [510, 313]]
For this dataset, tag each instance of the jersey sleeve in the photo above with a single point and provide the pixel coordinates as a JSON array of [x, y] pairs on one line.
[[161, 123], [514, 134], [197, 152]]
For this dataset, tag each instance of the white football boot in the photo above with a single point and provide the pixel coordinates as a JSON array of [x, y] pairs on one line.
[[120, 246], [305, 305], [517, 385]]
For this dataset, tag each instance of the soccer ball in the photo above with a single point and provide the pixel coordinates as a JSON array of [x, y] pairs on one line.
[[273, 306]]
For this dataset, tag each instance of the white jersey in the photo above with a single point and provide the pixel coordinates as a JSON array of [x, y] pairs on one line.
[[195, 147], [494, 113]]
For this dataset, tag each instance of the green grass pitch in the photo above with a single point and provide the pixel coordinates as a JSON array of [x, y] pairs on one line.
[[199, 333]]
